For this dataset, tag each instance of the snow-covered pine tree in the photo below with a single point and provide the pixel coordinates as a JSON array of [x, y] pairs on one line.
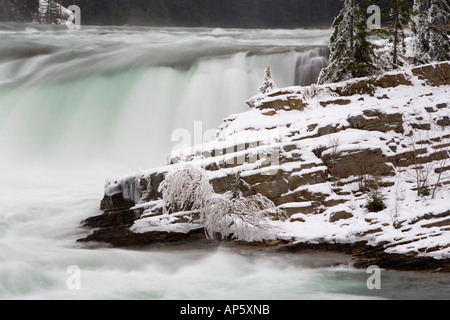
[[48, 12], [268, 84], [419, 26], [438, 26], [351, 54], [399, 14], [431, 20], [363, 50]]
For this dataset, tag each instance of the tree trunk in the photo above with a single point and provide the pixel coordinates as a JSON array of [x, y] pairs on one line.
[[48, 12], [352, 30], [396, 31]]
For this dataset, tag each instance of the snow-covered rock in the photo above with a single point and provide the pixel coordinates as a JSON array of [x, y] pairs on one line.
[[317, 152]]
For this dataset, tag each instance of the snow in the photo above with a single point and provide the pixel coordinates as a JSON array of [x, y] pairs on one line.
[[403, 227], [165, 223]]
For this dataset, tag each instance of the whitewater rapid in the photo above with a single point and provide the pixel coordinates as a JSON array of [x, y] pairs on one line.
[[78, 107]]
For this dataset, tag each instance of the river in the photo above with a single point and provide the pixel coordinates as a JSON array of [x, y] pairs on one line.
[[80, 106]]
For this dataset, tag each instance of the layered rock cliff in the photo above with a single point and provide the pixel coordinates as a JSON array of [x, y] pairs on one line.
[[321, 154]]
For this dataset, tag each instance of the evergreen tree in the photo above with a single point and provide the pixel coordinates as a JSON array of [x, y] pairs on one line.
[[438, 26], [50, 14], [430, 26], [351, 54], [268, 84], [30, 8], [158, 13], [399, 14], [5, 10], [420, 28]]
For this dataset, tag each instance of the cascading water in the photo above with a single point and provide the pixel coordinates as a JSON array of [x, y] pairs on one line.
[[309, 64], [117, 97], [77, 107]]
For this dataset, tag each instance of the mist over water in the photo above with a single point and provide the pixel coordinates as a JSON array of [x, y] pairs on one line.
[[78, 107]]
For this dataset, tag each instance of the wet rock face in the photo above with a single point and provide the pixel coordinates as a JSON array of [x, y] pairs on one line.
[[115, 202], [122, 236]]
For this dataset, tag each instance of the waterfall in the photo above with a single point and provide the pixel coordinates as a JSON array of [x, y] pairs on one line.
[[309, 64], [106, 97], [78, 107]]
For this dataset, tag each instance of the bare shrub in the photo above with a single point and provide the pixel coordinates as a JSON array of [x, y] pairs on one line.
[[426, 173], [185, 189], [317, 92], [244, 219]]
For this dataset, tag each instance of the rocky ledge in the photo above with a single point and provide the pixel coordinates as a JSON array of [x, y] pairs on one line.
[[326, 156]]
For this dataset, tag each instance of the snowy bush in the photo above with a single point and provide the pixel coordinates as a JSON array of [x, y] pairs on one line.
[[375, 202], [268, 84], [185, 190], [244, 219]]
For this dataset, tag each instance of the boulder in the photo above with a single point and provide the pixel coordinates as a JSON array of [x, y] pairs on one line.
[[421, 126], [345, 164], [340, 215], [340, 102], [292, 209], [444, 122], [114, 202], [111, 218], [296, 102], [394, 80], [375, 120], [275, 103], [122, 236], [434, 74]]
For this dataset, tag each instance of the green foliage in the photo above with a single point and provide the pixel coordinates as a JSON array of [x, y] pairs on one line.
[[352, 55], [5, 10], [431, 19], [400, 17], [423, 191], [371, 86], [29, 8], [18, 10], [235, 189], [375, 202]]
